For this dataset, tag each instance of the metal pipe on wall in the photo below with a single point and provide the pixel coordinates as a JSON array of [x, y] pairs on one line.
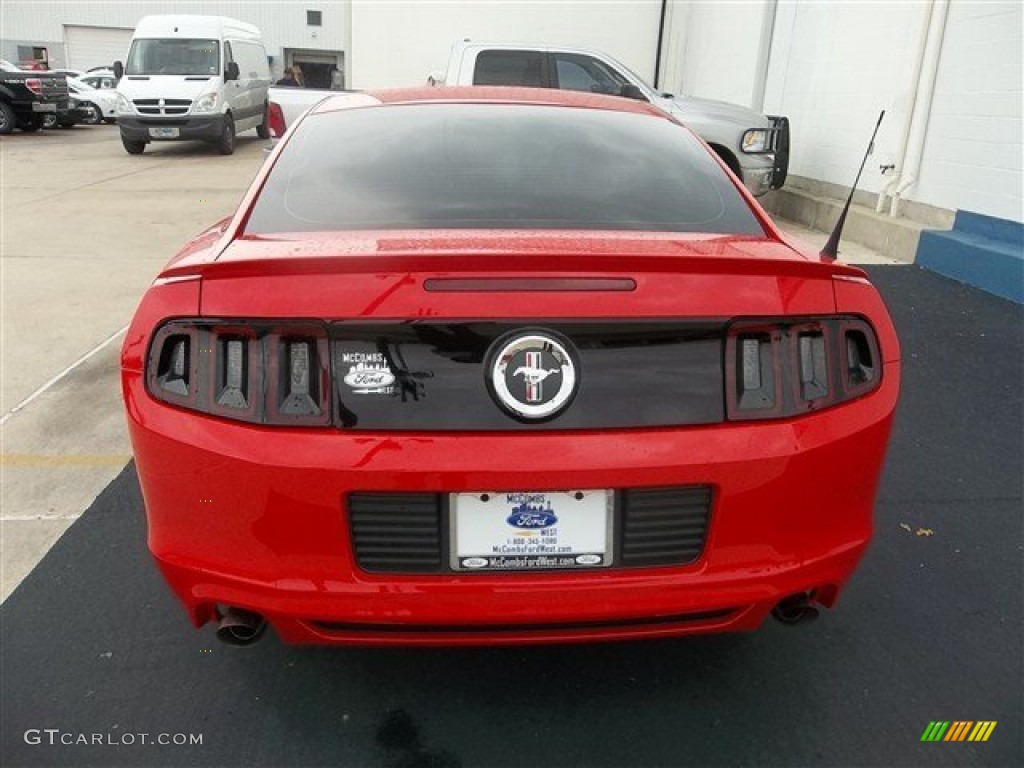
[[764, 54], [901, 154], [922, 104], [915, 128]]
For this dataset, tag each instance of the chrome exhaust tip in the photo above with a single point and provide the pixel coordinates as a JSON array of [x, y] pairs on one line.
[[240, 627], [795, 609]]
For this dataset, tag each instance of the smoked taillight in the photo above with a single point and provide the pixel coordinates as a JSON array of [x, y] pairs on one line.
[[778, 368], [275, 120], [172, 369], [299, 385], [861, 364], [232, 384], [753, 371], [262, 373]]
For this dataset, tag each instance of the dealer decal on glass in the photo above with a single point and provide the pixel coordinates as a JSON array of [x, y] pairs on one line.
[[495, 531]]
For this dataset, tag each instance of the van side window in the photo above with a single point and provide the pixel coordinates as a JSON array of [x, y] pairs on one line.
[[251, 59], [577, 72], [524, 68]]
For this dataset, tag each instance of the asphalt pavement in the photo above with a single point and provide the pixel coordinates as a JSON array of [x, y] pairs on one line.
[[929, 629]]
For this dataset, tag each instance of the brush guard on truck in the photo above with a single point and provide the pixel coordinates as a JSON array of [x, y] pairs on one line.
[[780, 146]]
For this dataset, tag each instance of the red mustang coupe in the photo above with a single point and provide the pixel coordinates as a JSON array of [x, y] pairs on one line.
[[478, 366]]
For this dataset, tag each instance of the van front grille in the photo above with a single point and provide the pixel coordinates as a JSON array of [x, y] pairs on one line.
[[163, 106]]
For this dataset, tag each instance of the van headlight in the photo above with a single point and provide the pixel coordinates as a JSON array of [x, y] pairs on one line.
[[122, 106], [205, 103], [755, 140]]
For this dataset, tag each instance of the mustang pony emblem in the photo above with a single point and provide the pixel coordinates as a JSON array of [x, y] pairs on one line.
[[534, 375]]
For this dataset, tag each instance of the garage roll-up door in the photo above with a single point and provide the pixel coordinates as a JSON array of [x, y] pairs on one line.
[[88, 47]]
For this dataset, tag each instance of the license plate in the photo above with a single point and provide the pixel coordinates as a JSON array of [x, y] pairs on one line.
[[43, 107], [163, 132], [503, 531]]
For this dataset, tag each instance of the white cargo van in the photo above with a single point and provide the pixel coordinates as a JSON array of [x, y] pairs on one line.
[[192, 77]]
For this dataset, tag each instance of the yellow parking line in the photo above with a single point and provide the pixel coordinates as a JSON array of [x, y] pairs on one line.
[[73, 460]]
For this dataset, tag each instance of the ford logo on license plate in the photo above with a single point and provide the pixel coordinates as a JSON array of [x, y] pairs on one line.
[[531, 518]]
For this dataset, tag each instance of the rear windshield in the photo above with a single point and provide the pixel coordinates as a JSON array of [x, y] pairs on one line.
[[495, 166]]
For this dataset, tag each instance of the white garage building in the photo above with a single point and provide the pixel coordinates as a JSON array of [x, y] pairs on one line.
[[947, 72], [81, 35]]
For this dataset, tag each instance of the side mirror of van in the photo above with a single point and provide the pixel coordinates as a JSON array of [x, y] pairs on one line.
[[118, 70], [231, 71], [631, 91]]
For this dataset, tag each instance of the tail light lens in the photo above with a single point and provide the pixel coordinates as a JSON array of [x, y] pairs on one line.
[[299, 386], [173, 373], [260, 374], [780, 368], [275, 120], [35, 85]]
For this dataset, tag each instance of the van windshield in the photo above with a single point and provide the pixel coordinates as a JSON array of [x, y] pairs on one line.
[[152, 56]]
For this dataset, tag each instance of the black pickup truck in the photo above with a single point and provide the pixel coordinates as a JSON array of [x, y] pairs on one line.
[[27, 97]]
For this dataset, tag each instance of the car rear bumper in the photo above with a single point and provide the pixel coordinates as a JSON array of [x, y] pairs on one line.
[[255, 518], [204, 128], [529, 609]]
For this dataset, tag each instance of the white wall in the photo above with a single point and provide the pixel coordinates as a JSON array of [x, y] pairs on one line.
[[283, 24], [833, 67], [397, 44], [973, 151], [835, 64], [713, 50]]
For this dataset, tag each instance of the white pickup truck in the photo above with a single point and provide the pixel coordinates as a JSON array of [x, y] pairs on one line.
[[754, 146], [287, 104]]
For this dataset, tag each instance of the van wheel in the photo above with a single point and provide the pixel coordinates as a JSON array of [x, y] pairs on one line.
[[7, 118], [133, 147], [263, 129], [226, 142]]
